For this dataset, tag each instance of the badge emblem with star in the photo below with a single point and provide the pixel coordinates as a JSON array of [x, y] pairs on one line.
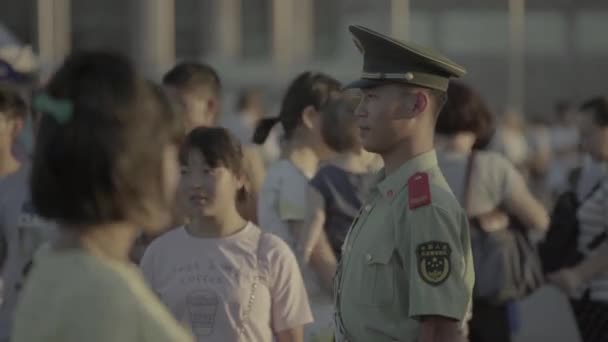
[[433, 261]]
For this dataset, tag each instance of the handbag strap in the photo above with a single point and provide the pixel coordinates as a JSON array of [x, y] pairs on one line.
[[254, 284], [467, 182]]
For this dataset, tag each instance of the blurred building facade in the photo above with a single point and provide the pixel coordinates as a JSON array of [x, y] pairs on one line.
[[265, 42]]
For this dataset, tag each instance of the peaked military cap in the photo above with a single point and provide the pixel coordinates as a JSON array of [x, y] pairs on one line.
[[388, 60]]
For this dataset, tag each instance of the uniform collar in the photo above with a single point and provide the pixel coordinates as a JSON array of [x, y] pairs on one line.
[[390, 185]]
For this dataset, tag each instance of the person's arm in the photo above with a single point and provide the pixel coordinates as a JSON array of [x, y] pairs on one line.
[[440, 297], [569, 280], [311, 228], [520, 202], [324, 262], [595, 264], [440, 329], [312, 244], [290, 335], [254, 172], [320, 256]]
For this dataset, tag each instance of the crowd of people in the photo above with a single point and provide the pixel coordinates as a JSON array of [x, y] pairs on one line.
[[136, 211]]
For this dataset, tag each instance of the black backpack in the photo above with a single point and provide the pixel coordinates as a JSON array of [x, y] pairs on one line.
[[560, 247]]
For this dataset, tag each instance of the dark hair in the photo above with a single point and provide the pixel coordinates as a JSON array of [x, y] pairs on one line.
[[217, 146], [339, 125], [465, 111], [12, 104], [102, 163], [193, 76], [598, 106], [308, 89]]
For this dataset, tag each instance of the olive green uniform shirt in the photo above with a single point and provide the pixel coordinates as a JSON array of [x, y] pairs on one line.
[[407, 255]]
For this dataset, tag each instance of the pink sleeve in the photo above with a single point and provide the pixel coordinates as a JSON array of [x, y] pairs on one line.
[[290, 306]]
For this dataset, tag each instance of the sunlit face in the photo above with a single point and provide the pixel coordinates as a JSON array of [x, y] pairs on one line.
[[594, 138], [197, 111], [385, 116], [208, 191]]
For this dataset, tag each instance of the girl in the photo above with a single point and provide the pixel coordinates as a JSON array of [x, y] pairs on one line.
[[105, 164], [338, 188], [220, 275], [586, 282], [282, 204], [497, 183]]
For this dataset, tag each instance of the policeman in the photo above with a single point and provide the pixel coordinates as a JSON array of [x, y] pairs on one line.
[[407, 270]]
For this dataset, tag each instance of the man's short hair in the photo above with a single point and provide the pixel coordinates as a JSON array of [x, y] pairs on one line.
[[193, 76], [598, 107]]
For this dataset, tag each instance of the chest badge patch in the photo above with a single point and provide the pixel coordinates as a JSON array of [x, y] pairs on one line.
[[433, 261]]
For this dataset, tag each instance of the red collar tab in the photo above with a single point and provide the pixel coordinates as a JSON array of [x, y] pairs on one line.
[[419, 190]]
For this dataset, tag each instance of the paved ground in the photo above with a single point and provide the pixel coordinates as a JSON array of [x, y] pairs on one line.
[[546, 316]]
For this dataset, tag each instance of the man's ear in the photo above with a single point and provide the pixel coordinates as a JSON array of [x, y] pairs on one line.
[[420, 102], [412, 105], [308, 116]]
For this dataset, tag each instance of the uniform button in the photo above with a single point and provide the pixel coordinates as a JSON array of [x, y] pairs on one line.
[[368, 257], [368, 208]]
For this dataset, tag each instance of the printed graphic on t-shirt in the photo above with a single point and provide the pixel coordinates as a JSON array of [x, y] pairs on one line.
[[202, 308], [217, 292]]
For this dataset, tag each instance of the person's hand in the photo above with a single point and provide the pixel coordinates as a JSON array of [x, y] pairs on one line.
[[493, 221], [567, 280]]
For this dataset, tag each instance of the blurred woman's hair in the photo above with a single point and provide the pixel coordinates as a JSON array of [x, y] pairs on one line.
[[308, 89], [598, 108], [99, 151], [339, 127], [465, 111]]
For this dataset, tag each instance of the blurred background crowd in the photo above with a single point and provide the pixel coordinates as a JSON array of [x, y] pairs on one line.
[[532, 64]]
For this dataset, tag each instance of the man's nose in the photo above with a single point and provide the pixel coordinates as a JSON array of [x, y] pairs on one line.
[[360, 111]]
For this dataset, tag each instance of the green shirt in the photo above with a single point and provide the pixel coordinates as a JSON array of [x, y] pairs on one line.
[[73, 296], [407, 255]]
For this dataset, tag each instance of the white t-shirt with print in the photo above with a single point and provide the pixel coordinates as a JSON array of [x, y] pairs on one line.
[[208, 284]]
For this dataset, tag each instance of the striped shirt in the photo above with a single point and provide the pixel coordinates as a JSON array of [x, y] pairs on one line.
[[593, 222]]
